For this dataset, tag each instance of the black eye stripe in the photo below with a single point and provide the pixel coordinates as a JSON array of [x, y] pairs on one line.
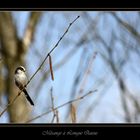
[[19, 68]]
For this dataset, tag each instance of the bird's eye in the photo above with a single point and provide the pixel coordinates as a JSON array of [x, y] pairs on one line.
[[22, 69]]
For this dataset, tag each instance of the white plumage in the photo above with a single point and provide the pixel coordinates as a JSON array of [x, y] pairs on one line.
[[21, 81]]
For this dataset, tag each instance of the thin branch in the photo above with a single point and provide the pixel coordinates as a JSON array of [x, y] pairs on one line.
[[60, 106], [40, 65], [127, 26], [87, 72], [52, 50], [57, 116], [53, 118], [10, 103], [52, 99], [55, 112], [31, 27], [55, 67], [73, 113], [51, 68], [77, 78], [85, 77]]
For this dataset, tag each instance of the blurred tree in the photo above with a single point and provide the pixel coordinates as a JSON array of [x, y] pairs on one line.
[[114, 72], [13, 52]]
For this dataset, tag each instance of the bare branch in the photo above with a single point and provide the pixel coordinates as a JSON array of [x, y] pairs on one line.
[[53, 118], [57, 116], [29, 33], [130, 28], [87, 72], [55, 67], [55, 112], [73, 113], [60, 106], [10, 103], [52, 99], [51, 68], [52, 50], [40, 65]]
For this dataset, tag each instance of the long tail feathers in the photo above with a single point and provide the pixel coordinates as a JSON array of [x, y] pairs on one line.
[[28, 97]]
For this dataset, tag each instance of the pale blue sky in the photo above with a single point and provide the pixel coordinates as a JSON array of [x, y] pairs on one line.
[[51, 27]]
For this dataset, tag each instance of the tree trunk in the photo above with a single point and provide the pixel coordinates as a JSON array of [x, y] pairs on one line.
[[12, 57]]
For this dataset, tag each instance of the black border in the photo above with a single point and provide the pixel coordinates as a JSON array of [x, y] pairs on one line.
[[33, 130], [96, 130], [68, 4]]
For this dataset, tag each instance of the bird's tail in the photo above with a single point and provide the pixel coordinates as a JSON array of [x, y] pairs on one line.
[[28, 97]]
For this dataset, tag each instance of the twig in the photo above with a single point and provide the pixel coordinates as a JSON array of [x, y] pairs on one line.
[[52, 50], [55, 67], [87, 72], [57, 116], [52, 99], [60, 106], [53, 118], [51, 68], [73, 113], [10, 103], [40, 65]]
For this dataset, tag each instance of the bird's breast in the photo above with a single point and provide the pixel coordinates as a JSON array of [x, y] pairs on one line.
[[21, 79]]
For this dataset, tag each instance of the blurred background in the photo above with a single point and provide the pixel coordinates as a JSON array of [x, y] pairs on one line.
[[100, 52]]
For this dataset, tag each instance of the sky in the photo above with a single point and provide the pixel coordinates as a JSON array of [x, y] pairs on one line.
[[48, 32]]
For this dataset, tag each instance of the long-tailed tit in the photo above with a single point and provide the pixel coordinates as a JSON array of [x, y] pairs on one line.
[[21, 81]]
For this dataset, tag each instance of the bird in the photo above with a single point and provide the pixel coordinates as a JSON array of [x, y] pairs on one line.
[[21, 81]]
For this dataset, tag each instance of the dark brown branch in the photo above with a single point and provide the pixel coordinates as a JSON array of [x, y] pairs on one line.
[[57, 116], [51, 68], [52, 49], [40, 65], [55, 67]]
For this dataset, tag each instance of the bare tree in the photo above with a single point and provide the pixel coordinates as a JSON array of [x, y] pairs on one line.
[[74, 69], [13, 51]]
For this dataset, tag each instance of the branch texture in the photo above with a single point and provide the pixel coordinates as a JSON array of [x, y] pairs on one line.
[[9, 104]]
